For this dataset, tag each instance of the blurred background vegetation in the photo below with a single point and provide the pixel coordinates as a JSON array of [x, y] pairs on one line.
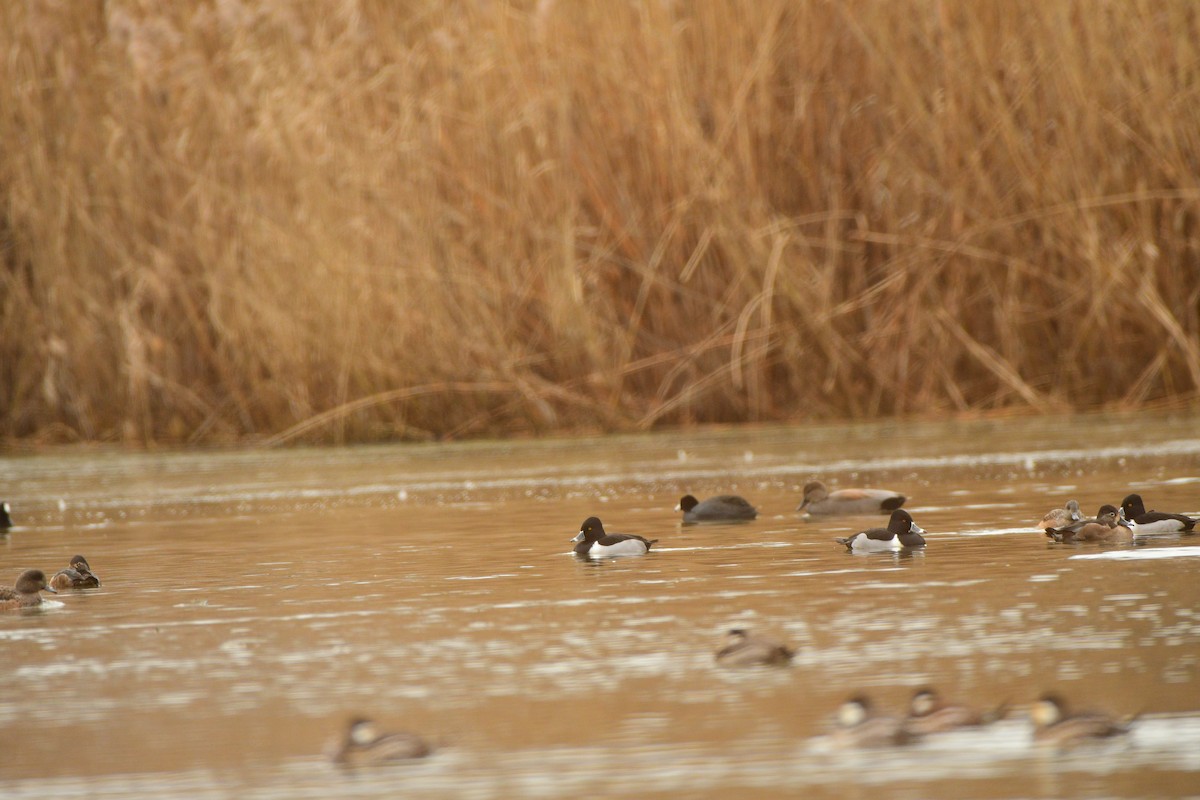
[[341, 220]]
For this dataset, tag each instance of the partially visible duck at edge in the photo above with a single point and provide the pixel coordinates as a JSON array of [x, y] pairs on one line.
[[1061, 517], [78, 575], [593, 541], [5, 517], [928, 713], [1155, 521], [900, 532], [25, 594], [1109, 525], [858, 725], [1053, 724], [364, 745], [819, 501], [744, 650], [722, 508]]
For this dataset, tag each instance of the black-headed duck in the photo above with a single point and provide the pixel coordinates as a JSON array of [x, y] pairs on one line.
[[5, 517], [78, 575], [722, 508], [1054, 725], [900, 532], [363, 745], [25, 594], [1154, 521], [819, 501], [593, 541], [744, 650]]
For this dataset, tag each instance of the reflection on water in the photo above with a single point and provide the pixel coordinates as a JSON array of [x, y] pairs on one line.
[[253, 601]]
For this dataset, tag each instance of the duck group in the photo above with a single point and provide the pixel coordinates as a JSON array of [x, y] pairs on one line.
[[1112, 523], [858, 723]]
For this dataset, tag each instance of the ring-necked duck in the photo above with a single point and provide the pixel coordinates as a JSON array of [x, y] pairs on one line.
[[722, 508], [900, 532], [25, 593], [364, 745], [1154, 521], [5, 517], [928, 713], [1052, 724], [859, 726], [743, 650], [1109, 525], [78, 575], [593, 541], [820, 501], [1060, 517]]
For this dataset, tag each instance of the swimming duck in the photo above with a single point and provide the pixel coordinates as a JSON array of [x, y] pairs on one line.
[[1109, 525], [593, 541], [743, 650], [722, 508], [927, 713], [5, 517], [1058, 517], [78, 575], [859, 726], [25, 593], [1052, 724], [900, 532], [1154, 521], [363, 745], [820, 501]]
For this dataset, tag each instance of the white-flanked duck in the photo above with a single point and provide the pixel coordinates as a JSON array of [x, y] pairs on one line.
[[1154, 521], [593, 541], [900, 532]]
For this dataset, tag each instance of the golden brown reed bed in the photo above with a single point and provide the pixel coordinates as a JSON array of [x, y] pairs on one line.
[[338, 221]]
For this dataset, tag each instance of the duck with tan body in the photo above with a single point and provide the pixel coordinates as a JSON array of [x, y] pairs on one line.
[[26, 592], [819, 501]]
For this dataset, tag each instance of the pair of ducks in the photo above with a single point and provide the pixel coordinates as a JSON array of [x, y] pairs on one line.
[[26, 593], [1111, 524], [1053, 724], [818, 501], [901, 532]]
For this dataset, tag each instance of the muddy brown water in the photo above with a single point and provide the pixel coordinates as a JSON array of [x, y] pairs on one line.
[[253, 601]]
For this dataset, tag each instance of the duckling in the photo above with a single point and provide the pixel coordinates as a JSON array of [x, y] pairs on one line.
[[593, 541], [1052, 724], [722, 508], [900, 532], [363, 745], [859, 726], [1109, 525], [78, 575], [1058, 517], [742, 650], [25, 593], [1154, 521], [927, 713], [819, 501]]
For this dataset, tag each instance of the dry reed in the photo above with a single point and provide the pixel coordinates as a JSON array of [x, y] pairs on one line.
[[347, 221]]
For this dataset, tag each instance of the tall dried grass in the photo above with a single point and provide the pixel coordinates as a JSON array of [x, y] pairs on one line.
[[352, 220]]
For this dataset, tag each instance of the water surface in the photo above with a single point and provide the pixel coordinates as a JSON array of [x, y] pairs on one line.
[[253, 601]]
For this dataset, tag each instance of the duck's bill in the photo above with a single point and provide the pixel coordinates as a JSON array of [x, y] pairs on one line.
[[51, 589], [578, 537], [916, 529]]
